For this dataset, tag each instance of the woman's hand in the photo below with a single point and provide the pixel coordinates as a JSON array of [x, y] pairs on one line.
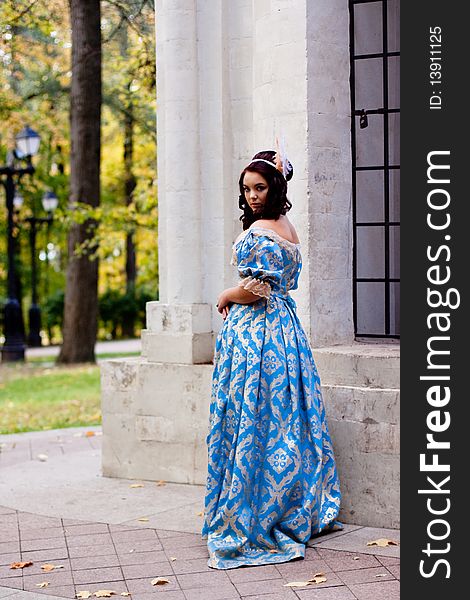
[[224, 303]]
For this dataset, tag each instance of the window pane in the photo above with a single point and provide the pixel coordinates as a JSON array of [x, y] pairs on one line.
[[394, 252], [370, 308], [368, 28], [370, 252], [394, 194], [369, 142], [394, 138], [393, 25], [368, 80], [393, 82], [394, 308], [369, 196]]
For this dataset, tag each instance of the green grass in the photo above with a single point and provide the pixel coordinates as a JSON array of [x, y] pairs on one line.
[[38, 395]]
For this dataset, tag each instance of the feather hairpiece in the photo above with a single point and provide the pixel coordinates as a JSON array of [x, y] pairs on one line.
[[282, 162]]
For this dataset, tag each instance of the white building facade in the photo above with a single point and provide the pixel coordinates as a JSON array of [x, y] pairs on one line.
[[230, 77]]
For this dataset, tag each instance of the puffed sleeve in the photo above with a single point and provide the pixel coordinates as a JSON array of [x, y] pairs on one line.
[[259, 262]]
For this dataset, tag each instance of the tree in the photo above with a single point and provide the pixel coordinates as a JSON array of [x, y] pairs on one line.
[[81, 295]]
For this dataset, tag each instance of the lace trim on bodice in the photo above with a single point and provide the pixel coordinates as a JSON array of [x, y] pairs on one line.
[[263, 231], [255, 286]]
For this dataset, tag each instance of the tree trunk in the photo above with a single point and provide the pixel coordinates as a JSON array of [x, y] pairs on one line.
[[81, 295], [129, 187]]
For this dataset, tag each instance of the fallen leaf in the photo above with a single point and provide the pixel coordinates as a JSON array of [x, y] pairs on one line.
[[173, 558], [143, 519], [89, 433], [355, 557], [105, 593], [381, 575], [84, 594], [317, 578], [20, 565], [42, 457], [136, 485], [161, 482], [159, 581], [382, 543], [132, 550], [125, 593], [42, 584], [48, 567], [200, 514]]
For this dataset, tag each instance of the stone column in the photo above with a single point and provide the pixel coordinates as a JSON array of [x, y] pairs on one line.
[[178, 325], [329, 173]]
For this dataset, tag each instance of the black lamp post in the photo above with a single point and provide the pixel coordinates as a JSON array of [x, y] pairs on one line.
[[27, 145], [49, 202]]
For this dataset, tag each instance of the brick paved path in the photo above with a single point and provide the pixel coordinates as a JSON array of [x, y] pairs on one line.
[[124, 555]]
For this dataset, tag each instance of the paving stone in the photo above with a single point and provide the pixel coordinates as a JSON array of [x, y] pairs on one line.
[[169, 595], [348, 561], [95, 562], [140, 558], [356, 541], [65, 591], [42, 544], [286, 595], [388, 560], [89, 540], [205, 580], [85, 529], [386, 590], [9, 547], [37, 534], [153, 569], [54, 577], [6, 571], [98, 575], [138, 546], [183, 541], [144, 585], [31, 521], [268, 586], [4, 510], [331, 593], [80, 551], [304, 569], [12, 582], [194, 565], [35, 568], [125, 527], [166, 533], [245, 574], [394, 570], [5, 592], [7, 559], [117, 586], [134, 535], [226, 592], [365, 575], [45, 555], [188, 553]]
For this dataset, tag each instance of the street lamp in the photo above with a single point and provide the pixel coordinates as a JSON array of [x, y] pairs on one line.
[[27, 145], [49, 203]]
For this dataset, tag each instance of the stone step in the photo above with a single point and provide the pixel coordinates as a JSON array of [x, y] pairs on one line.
[[360, 365]]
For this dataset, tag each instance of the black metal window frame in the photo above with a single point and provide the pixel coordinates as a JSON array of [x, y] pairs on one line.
[[386, 167]]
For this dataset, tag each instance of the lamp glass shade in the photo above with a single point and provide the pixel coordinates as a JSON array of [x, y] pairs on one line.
[[50, 201], [18, 201], [27, 142]]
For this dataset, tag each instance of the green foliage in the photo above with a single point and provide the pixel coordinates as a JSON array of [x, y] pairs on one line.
[[35, 76]]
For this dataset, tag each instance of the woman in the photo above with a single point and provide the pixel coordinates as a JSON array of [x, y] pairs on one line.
[[272, 480]]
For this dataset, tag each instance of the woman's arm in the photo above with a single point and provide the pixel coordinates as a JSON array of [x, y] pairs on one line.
[[237, 295]]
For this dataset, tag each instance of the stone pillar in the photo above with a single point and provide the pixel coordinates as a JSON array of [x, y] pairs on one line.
[[179, 320], [329, 173]]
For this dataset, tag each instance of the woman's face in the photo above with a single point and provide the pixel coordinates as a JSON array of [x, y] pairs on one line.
[[255, 188]]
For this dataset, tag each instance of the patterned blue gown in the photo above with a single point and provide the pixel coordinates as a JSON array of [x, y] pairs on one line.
[[272, 481]]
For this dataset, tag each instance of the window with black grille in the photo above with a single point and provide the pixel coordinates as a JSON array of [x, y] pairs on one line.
[[375, 56]]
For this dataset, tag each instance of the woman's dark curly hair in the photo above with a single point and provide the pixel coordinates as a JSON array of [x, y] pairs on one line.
[[276, 202]]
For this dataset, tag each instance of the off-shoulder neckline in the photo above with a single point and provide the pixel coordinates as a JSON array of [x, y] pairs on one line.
[[274, 234]]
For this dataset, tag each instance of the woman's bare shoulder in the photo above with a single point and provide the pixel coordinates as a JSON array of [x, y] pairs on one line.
[[282, 227]]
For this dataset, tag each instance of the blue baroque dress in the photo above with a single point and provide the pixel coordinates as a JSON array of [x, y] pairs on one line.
[[272, 481]]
